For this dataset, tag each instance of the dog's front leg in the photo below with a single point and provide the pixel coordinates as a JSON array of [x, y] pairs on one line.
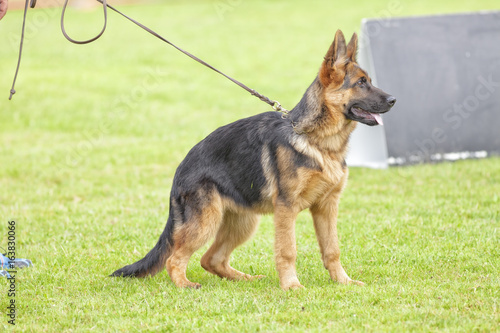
[[285, 248], [325, 224]]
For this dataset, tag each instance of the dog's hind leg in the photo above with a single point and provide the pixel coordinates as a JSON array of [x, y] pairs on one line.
[[192, 234], [235, 229]]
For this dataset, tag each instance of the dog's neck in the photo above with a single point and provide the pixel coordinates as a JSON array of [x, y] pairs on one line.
[[323, 125]]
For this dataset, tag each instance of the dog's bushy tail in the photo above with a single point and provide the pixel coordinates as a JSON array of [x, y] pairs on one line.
[[155, 260]]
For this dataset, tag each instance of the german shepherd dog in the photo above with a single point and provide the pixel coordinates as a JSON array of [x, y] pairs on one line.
[[264, 164]]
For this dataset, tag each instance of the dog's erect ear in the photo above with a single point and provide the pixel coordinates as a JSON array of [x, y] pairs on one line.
[[336, 55], [337, 50], [352, 47]]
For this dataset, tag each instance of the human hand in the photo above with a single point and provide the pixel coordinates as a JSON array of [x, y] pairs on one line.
[[3, 8]]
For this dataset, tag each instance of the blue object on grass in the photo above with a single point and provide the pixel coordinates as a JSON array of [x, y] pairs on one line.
[[6, 263]]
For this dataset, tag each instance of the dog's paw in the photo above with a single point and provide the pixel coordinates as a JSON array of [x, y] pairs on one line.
[[189, 285], [341, 277], [249, 277], [296, 287], [292, 285], [358, 283]]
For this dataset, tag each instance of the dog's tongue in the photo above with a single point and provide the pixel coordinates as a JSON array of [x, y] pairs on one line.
[[368, 115], [378, 118]]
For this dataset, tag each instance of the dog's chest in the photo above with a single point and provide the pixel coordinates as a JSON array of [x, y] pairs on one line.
[[333, 169], [316, 185]]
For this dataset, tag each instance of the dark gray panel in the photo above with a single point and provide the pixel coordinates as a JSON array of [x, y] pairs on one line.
[[445, 73]]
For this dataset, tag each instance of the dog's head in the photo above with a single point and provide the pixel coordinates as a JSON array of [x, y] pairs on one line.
[[347, 88]]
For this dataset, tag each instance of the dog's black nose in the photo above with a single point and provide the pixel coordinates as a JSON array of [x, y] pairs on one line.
[[391, 100]]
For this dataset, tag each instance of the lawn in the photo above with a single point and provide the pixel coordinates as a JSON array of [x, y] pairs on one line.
[[91, 141]]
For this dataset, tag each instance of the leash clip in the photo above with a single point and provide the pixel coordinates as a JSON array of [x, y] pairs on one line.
[[277, 107]]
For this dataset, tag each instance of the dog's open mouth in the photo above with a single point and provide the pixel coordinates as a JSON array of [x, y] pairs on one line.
[[366, 117]]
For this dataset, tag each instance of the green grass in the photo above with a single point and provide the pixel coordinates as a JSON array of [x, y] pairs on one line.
[[90, 143]]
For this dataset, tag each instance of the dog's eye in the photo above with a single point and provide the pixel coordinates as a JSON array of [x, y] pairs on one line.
[[361, 82]]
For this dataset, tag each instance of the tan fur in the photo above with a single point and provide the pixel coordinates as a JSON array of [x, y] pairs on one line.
[[285, 250], [270, 191], [236, 228], [189, 237]]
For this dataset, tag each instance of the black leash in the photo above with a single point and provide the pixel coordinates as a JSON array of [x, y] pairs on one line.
[[275, 104]]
